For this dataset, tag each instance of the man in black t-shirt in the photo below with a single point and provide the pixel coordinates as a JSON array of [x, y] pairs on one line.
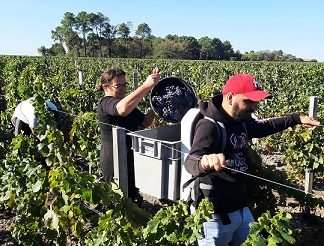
[[115, 108]]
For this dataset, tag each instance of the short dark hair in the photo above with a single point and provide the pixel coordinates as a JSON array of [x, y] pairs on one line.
[[108, 75]]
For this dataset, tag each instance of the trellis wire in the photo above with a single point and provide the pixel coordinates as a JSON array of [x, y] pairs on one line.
[[251, 175]]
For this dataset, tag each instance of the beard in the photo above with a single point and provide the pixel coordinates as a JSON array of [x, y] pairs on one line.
[[239, 114]]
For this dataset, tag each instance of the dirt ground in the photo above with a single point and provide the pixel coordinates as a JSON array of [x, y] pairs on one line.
[[5, 222]]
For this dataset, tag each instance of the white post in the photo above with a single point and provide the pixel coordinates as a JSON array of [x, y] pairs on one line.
[[81, 80], [313, 103], [120, 159], [312, 112], [81, 86]]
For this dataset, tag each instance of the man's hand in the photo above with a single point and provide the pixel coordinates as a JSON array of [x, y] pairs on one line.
[[309, 122], [213, 162], [153, 78]]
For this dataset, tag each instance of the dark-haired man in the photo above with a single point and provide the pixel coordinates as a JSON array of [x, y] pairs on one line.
[[233, 108], [117, 108]]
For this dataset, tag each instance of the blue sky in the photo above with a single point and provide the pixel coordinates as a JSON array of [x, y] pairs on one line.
[[294, 26]]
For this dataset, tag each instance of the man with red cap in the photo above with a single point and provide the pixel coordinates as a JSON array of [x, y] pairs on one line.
[[231, 111]]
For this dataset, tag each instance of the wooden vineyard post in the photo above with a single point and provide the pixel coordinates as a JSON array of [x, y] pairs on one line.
[[135, 80], [207, 77], [120, 159], [309, 173]]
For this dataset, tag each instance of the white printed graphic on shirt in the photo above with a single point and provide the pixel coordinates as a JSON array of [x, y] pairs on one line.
[[238, 161], [238, 142]]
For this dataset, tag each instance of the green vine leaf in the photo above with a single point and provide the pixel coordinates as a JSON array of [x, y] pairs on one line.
[[51, 220], [37, 186]]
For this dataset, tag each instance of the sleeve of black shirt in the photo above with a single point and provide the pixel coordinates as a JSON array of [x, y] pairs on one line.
[[266, 127], [108, 105]]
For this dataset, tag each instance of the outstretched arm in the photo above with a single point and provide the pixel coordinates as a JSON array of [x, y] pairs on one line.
[[265, 127]]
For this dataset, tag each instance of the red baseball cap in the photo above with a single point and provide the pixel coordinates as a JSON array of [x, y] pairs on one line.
[[246, 85]]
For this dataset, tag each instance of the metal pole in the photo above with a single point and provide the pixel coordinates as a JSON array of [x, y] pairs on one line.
[[120, 159]]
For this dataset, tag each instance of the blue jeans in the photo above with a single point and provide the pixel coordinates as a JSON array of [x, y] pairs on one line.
[[215, 233]]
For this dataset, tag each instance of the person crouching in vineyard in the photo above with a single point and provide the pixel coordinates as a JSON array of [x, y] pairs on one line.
[[220, 171], [117, 108], [24, 119]]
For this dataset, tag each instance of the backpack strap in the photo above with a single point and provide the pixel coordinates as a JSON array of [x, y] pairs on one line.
[[223, 135], [222, 131]]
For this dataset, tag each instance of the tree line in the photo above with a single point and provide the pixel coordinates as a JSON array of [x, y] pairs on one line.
[[92, 35]]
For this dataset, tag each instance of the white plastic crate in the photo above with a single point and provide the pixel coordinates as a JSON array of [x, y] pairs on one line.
[[157, 161]]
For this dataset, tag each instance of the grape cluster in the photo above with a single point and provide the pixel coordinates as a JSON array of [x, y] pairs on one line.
[[172, 102]]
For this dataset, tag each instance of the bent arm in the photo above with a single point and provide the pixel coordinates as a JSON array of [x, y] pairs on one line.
[[131, 101], [204, 143]]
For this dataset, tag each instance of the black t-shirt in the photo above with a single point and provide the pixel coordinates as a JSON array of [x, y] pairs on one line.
[[108, 115]]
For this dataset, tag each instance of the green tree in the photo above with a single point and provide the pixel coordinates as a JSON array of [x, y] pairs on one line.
[[218, 48], [43, 51], [207, 49], [66, 34], [237, 56], [97, 23], [83, 25], [119, 48], [143, 32], [93, 45], [124, 30], [252, 56], [190, 46], [68, 21], [168, 48], [57, 49], [108, 33], [228, 51], [58, 34]]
